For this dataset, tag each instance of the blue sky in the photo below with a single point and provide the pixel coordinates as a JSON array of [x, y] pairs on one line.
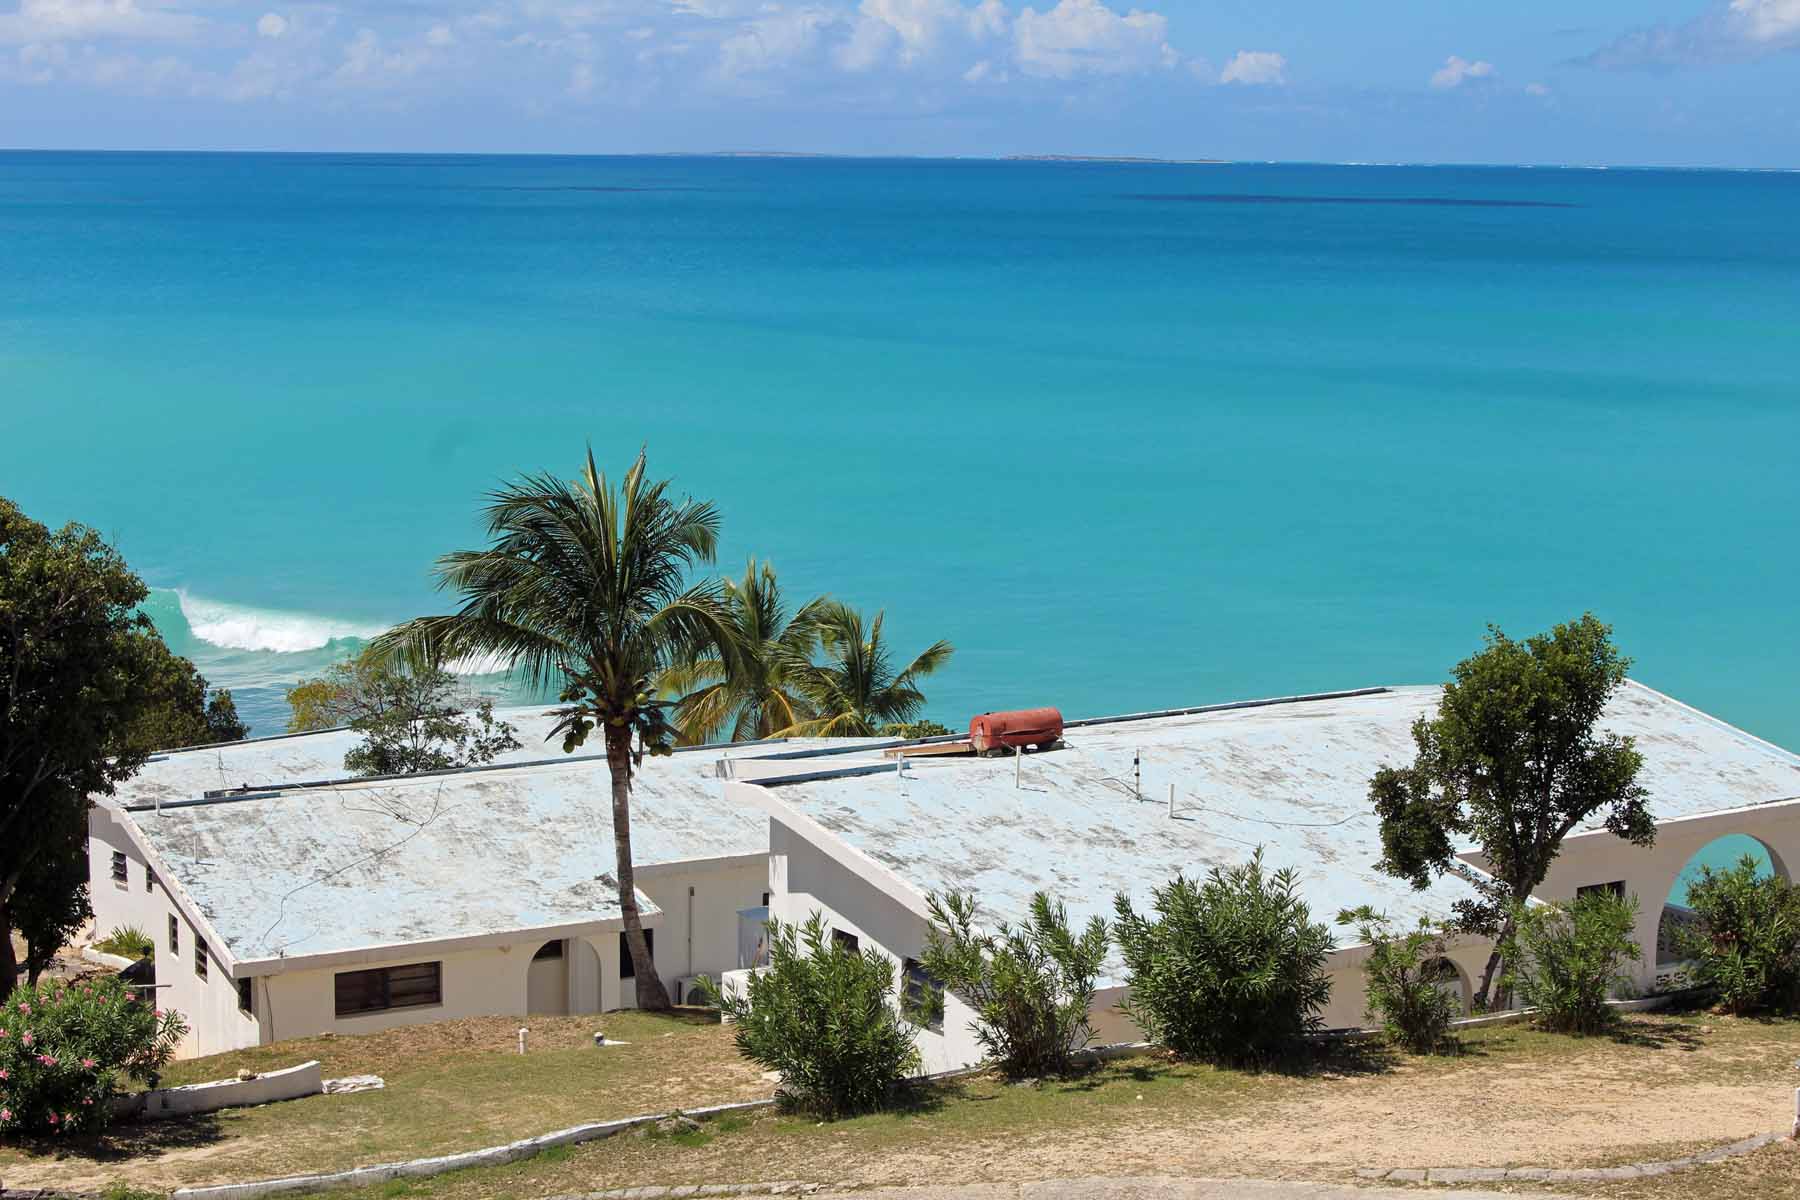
[[1687, 82]]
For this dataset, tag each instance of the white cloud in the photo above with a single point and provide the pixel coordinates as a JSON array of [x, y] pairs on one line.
[[440, 35], [1084, 37], [81, 20], [775, 40], [1729, 31], [1534, 88], [1458, 70], [582, 79], [272, 25], [1255, 67]]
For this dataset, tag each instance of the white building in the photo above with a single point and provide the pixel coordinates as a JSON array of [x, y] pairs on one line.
[[865, 843], [286, 900]]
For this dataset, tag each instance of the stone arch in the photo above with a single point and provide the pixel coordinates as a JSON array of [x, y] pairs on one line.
[[1724, 851]]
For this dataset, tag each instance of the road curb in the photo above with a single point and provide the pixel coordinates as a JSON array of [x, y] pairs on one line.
[[1644, 1170]]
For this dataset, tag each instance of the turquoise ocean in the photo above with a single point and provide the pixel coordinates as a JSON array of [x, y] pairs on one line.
[[1130, 435]]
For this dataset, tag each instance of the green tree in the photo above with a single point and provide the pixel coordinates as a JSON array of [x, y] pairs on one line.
[[1513, 762], [76, 655], [585, 585], [856, 691], [1031, 986], [179, 711], [51, 902], [411, 717], [750, 695], [823, 1016], [1231, 969]]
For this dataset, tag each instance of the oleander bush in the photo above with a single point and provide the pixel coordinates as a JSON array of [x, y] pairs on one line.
[[824, 1018], [1231, 969], [1746, 942], [65, 1049], [1404, 979], [1566, 958], [1031, 986]]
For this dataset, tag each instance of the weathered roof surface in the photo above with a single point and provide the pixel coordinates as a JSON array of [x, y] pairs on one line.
[[1289, 776], [322, 870], [301, 758]]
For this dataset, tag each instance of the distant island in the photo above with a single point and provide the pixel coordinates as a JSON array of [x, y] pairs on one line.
[[1113, 158]]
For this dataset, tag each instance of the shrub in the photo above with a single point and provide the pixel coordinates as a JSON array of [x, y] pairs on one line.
[[822, 1016], [1231, 970], [65, 1047], [1747, 942], [1031, 986], [129, 941], [1403, 979], [1566, 958]]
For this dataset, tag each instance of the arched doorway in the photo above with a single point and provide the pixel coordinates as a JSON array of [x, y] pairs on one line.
[[547, 980], [1722, 853], [1449, 979]]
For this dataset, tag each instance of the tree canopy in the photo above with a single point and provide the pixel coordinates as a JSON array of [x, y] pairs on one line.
[[411, 717], [1513, 761]]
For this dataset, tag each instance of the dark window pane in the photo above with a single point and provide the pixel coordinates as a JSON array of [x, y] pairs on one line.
[[846, 941], [410, 986], [246, 997], [627, 968], [200, 958], [548, 950], [118, 866]]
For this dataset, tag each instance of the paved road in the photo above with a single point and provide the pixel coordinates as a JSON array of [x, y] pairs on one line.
[[1147, 1189]]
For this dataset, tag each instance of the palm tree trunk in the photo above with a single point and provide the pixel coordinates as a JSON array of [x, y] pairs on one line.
[[652, 996]]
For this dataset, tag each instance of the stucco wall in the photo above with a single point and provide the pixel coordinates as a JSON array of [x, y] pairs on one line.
[[700, 903]]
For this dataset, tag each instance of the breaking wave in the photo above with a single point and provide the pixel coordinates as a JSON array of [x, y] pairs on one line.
[[240, 627]]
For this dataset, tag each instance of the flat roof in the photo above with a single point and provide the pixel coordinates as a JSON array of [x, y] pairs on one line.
[[338, 868], [1290, 775]]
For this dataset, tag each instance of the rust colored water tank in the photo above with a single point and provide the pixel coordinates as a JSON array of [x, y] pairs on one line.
[[1021, 727]]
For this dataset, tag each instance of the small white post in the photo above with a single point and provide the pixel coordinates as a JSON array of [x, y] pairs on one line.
[[1018, 766], [1137, 775], [1797, 1114], [522, 1032], [1171, 801]]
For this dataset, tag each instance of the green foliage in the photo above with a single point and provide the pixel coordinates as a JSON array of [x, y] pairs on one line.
[[1513, 763], [51, 902], [913, 730], [1747, 942], [65, 1048], [1565, 959], [823, 1017], [1405, 979], [179, 711], [585, 586], [750, 694], [128, 941], [76, 661], [1231, 970], [856, 690], [1031, 987]]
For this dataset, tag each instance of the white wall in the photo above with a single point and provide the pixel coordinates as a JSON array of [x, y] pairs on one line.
[[700, 903], [806, 877], [210, 1005]]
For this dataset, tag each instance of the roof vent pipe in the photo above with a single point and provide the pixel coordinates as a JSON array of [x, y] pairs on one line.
[[1171, 802]]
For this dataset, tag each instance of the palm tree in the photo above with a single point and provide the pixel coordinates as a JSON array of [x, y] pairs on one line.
[[587, 588], [757, 698], [856, 690]]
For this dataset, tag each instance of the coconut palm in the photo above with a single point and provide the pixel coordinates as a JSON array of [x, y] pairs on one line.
[[586, 587], [856, 690], [757, 697]]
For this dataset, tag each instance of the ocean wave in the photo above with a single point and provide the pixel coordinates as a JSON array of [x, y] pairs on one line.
[[241, 627]]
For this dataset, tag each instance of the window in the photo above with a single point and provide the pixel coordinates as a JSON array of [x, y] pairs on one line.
[[921, 995], [1616, 887], [548, 950], [149, 879], [246, 996], [765, 902], [627, 969], [412, 986], [846, 941], [118, 866], [174, 936], [200, 957]]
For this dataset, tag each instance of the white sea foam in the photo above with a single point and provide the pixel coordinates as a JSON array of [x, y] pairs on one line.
[[240, 627]]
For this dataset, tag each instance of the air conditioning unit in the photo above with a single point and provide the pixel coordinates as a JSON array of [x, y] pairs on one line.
[[687, 990]]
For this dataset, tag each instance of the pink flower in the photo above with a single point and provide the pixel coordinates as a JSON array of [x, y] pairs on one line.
[[5, 1074], [24, 1008], [53, 1118], [159, 1012], [49, 1060], [88, 1062], [2, 1033], [87, 1101], [26, 1038], [5, 1114]]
